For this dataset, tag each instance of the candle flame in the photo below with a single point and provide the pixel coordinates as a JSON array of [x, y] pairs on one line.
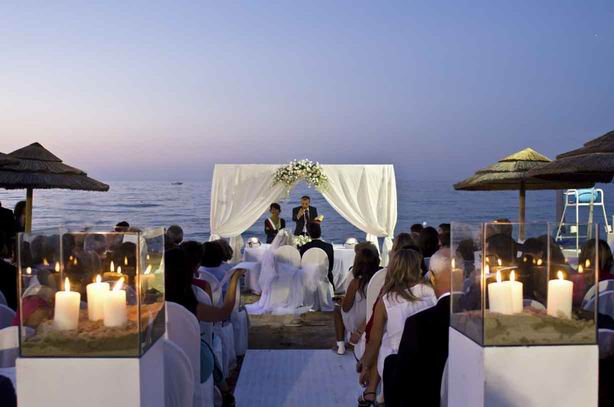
[[525, 259], [112, 267], [125, 261], [98, 279], [29, 270], [74, 262], [560, 275], [487, 269], [119, 284], [45, 262], [66, 285], [57, 266], [580, 269], [587, 263], [498, 276], [539, 262], [512, 275], [70, 257], [499, 262], [147, 257], [148, 269], [453, 263], [119, 269]]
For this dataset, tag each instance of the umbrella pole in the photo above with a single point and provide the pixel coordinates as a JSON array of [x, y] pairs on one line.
[[521, 212], [29, 194]]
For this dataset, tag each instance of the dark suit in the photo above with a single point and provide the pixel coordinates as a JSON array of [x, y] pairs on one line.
[[8, 283], [8, 227], [412, 377], [328, 249], [310, 215]]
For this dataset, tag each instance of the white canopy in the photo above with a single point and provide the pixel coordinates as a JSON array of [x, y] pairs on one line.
[[364, 195]]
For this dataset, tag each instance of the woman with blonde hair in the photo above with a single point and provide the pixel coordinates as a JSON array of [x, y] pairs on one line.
[[404, 293]]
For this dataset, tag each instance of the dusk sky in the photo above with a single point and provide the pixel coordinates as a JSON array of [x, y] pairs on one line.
[[151, 90]]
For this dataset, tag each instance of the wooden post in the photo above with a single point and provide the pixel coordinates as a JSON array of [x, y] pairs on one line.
[[521, 211], [29, 195]]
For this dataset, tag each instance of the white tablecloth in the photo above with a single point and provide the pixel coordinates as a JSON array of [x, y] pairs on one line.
[[344, 258]]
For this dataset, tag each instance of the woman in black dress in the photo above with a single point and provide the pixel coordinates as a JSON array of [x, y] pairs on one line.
[[273, 224]]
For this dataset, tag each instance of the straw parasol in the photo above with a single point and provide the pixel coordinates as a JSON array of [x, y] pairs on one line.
[[5, 159], [512, 173], [34, 167], [594, 162]]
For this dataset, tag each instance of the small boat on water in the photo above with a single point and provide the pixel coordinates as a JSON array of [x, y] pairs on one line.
[[176, 183]]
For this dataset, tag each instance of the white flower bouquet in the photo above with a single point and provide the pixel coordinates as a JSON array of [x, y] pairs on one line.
[[296, 170], [301, 240]]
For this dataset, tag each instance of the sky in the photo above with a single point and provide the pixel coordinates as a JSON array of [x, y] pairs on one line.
[[164, 90]]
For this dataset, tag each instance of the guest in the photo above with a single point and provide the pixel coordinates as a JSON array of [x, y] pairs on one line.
[[8, 279], [8, 229], [273, 224], [316, 233], [425, 344], [403, 294], [416, 228], [604, 258], [303, 215], [20, 215], [173, 237], [444, 239], [227, 251], [193, 252], [351, 314], [403, 240], [122, 226], [429, 241], [213, 260], [443, 228], [7, 392]]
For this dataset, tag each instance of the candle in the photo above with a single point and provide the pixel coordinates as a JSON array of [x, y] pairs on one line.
[[147, 278], [112, 267], [66, 313], [500, 297], [57, 267], [560, 295], [125, 260], [112, 274], [115, 310], [516, 287], [96, 293]]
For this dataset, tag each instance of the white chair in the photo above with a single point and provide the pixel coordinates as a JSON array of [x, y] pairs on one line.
[[240, 325], [206, 328], [604, 285], [288, 254], [225, 332], [178, 377], [606, 343], [216, 286], [9, 344], [443, 391], [6, 316], [287, 288], [373, 289], [182, 328], [606, 303], [318, 289], [2, 299], [533, 304]]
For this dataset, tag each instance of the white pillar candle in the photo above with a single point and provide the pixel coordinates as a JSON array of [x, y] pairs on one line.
[[560, 295], [115, 310], [516, 288], [96, 293], [66, 312], [500, 297]]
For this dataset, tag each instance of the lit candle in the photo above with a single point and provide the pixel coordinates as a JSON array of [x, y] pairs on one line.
[[115, 310], [560, 295], [147, 277], [516, 287], [112, 267], [96, 293], [125, 260], [66, 313], [45, 262], [57, 266], [500, 297]]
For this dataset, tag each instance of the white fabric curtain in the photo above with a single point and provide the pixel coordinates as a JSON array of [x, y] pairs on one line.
[[240, 194], [365, 196]]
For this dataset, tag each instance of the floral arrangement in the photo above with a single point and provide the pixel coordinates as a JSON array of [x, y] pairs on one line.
[[301, 240], [296, 170]]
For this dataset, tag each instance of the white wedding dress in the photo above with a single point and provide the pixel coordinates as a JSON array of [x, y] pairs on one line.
[[281, 283]]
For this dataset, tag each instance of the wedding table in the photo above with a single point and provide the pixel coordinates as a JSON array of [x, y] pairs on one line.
[[342, 275]]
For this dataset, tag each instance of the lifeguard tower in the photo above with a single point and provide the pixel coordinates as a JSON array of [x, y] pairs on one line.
[[574, 200]]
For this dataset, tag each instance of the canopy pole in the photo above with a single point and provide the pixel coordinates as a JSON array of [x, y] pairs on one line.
[[29, 195], [521, 211]]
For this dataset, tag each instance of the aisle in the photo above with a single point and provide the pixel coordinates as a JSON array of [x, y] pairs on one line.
[[275, 378]]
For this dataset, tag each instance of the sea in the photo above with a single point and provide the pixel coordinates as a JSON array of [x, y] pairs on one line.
[[163, 203]]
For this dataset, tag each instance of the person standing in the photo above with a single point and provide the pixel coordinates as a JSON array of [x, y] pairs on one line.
[[8, 229], [273, 224], [302, 215]]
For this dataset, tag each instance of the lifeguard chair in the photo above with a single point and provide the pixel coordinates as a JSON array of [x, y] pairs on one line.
[[574, 200]]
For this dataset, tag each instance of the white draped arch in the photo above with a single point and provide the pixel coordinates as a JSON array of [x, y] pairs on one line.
[[364, 195]]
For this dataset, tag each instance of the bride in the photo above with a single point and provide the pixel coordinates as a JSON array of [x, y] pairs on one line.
[[284, 278]]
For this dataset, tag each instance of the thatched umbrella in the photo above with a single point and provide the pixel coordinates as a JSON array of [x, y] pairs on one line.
[[5, 159], [35, 167], [512, 173], [594, 163]]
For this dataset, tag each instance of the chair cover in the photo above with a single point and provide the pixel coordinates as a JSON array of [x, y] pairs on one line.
[[240, 326], [218, 351], [9, 344], [206, 328], [229, 357], [178, 376], [289, 254], [606, 303], [252, 276], [604, 285], [606, 343], [373, 289], [2, 299], [317, 288], [6, 316], [216, 286], [182, 328]]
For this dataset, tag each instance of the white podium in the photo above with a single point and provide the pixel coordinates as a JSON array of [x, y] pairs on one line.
[[92, 382], [521, 376]]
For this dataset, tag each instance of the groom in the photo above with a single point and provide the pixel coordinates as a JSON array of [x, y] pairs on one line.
[[302, 215]]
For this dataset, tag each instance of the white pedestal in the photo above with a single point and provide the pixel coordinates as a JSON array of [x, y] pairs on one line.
[[523, 376], [92, 382]]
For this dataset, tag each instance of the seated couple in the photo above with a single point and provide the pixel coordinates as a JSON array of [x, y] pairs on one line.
[[302, 215]]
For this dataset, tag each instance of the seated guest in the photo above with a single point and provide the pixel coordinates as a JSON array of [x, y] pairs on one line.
[[429, 241], [226, 249], [403, 294], [8, 228], [193, 252], [350, 317], [273, 224], [213, 260], [604, 258], [173, 237], [122, 226], [8, 279], [315, 232], [444, 239], [415, 231], [443, 228], [424, 344], [20, 215]]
